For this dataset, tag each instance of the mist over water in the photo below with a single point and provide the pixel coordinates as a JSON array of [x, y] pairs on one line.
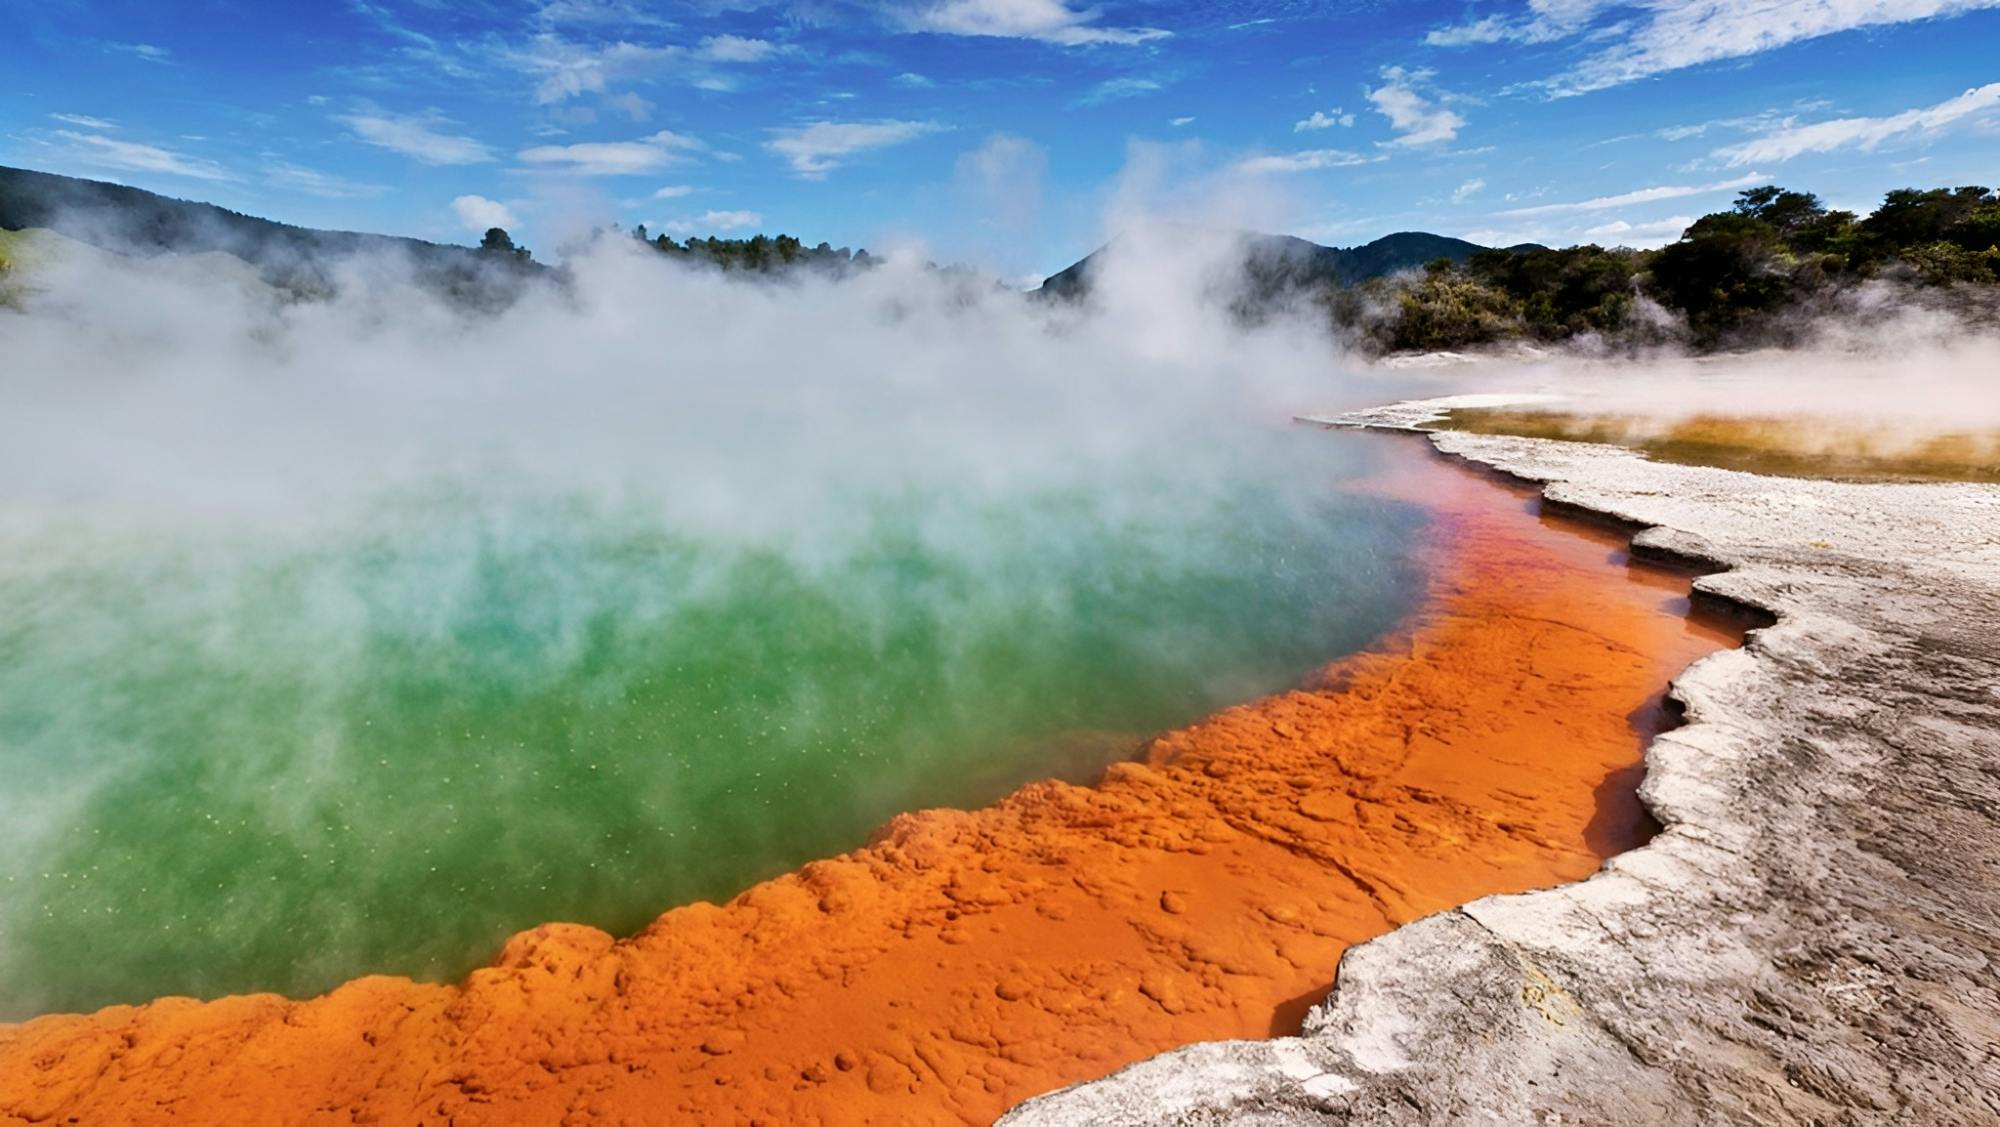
[[355, 635]]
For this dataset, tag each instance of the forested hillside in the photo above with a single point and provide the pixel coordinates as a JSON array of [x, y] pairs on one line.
[[1749, 276]]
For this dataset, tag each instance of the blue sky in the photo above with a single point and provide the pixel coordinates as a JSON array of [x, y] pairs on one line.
[[1002, 131]]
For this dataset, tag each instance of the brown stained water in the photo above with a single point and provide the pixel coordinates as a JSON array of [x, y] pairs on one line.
[[1793, 446], [964, 961]]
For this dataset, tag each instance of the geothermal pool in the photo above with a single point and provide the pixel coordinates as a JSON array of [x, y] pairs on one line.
[[387, 734]]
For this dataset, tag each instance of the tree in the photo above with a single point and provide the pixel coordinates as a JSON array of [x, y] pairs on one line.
[[1563, 292], [1787, 212], [1909, 217], [1447, 309], [1726, 269], [1946, 263], [498, 242]]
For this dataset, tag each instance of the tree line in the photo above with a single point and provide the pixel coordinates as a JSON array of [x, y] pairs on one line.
[[1735, 278], [759, 254]]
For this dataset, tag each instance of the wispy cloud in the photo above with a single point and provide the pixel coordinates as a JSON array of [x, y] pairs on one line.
[[1653, 233], [817, 149], [289, 177], [83, 120], [1050, 21], [1641, 195], [1181, 121], [1543, 21], [1591, 228], [1417, 119], [1116, 89], [736, 49], [631, 105], [411, 43], [1468, 190], [717, 221], [1321, 119], [617, 13], [477, 213], [568, 69], [1864, 133], [1646, 37], [1307, 161], [565, 69], [417, 136], [146, 51], [674, 192], [110, 152], [614, 158]]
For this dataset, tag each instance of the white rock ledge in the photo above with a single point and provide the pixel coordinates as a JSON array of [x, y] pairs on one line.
[[1815, 936]]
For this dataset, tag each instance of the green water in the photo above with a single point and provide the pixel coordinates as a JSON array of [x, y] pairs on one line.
[[272, 760]]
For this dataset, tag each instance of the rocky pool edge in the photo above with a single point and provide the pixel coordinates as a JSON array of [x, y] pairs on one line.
[[1814, 936]]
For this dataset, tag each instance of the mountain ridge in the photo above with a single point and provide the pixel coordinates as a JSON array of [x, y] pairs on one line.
[[120, 217], [1284, 261]]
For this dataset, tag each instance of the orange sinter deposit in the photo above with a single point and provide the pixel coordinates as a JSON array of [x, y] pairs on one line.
[[967, 960]]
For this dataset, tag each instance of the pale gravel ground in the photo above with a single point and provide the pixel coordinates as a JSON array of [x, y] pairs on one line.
[[1815, 938]]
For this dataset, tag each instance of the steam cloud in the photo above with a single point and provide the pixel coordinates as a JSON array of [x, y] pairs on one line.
[[172, 387], [356, 633]]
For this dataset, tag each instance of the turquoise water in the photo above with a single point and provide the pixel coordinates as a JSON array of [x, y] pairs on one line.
[[382, 740]]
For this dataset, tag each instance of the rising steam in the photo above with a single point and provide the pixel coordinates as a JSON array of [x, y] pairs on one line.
[[354, 633]]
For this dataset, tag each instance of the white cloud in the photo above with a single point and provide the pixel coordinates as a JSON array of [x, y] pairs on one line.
[[569, 69], [718, 221], [1864, 133], [1113, 89], [632, 106], [1181, 121], [416, 137], [1642, 234], [912, 80], [1642, 195], [146, 51], [1416, 119], [85, 121], [1488, 29], [1468, 190], [817, 149], [1645, 236], [1307, 161], [1648, 37], [1323, 120], [478, 213], [613, 158], [566, 68], [674, 192], [1543, 21], [736, 49], [618, 12], [312, 182], [1051, 21], [107, 152]]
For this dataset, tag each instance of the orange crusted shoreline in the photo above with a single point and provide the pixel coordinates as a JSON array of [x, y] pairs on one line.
[[965, 961]]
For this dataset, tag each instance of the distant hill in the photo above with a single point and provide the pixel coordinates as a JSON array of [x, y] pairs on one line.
[[133, 221], [1279, 262]]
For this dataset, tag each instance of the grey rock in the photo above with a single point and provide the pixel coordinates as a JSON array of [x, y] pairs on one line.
[[1815, 935]]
